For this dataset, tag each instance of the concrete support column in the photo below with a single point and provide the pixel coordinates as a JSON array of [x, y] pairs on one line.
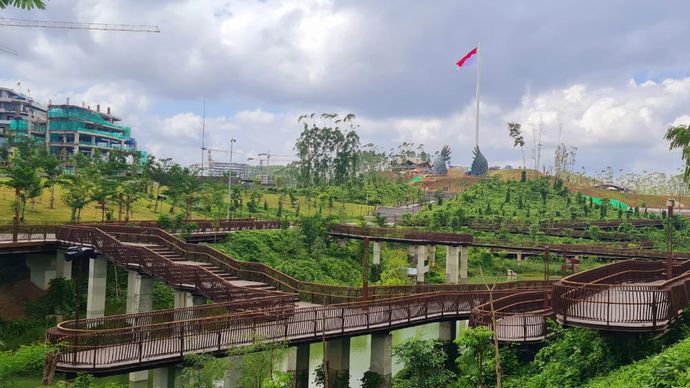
[[187, 299], [298, 365], [139, 300], [519, 257], [164, 377], [447, 331], [464, 254], [421, 257], [381, 360], [63, 268], [341, 243], [95, 299], [432, 255], [377, 253], [338, 356], [411, 254], [452, 262], [41, 269]]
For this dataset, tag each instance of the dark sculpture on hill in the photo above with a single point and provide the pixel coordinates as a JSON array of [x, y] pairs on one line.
[[440, 164], [479, 165]]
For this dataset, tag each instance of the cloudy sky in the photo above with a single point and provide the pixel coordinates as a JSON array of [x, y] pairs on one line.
[[611, 75]]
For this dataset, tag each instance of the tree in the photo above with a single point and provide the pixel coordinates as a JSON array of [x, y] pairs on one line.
[[52, 168], [22, 173], [79, 185], [423, 364], [326, 153], [202, 370], [23, 4], [259, 366], [515, 133], [160, 173], [679, 138], [475, 356]]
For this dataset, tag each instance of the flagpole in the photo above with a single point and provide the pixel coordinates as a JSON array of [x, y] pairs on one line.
[[476, 129]]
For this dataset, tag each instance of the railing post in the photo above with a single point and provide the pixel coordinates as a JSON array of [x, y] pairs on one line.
[[141, 345], [220, 332], [654, 310], [95, 349], [181, 340], [608, 306], [524, 328]]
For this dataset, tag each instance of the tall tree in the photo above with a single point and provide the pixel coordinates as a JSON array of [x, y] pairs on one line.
[[23, 175], [679, 138], [514, 130], [79, 185], [326, 153]]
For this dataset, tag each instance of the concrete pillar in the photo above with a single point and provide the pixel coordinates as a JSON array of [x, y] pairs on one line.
[[519, 257], [341, 243], [338, 356], [139, 300], [421, 256], [187, 299], [298, 365], [95, 298], [432, 255], [139, 293], [452, 262], [164, 377], [411, 254], [63, 268], [464, 254], [41, 269], [447, 331], [381, 360], [377, 253]]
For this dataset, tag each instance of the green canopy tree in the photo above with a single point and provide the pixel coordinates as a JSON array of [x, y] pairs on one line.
[[23, 4], [23, 175], [679, 138]]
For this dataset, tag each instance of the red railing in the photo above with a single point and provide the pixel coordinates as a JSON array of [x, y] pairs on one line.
[[128, 347], [520, 317], [153, 264], [410, 235], [630, 295]]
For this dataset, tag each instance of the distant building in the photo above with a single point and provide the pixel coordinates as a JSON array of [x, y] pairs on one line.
[[612, 187], [411, 165], [240, 170], [21, 116], [77, 129]]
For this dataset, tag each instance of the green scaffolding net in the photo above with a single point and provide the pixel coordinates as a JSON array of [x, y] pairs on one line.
[[77, 119], [613, 202]]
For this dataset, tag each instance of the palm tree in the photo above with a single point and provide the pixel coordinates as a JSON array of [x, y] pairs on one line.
[[23, 4], [679, 137]]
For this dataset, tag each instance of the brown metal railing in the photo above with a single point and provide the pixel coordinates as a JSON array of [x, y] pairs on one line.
[[153, 264], [125, 347], [630, 295], [410, 235], [520, 317], [308, 291]]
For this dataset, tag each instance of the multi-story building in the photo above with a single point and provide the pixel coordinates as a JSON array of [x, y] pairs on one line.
[[78, 129], [21, 116], [239, 170]]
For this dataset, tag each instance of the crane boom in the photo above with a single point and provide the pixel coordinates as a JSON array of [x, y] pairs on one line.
[[11, 22]]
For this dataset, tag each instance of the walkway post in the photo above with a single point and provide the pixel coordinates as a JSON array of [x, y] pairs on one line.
[[546, 276], [669, 259], [365, 270]]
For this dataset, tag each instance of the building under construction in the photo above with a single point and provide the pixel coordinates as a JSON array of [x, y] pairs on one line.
[[65, 129], [21, 116]]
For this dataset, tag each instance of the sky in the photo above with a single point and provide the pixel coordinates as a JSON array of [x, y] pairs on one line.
[[605, 77]]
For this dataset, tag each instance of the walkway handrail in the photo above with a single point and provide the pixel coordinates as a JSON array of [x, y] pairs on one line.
[[402, 234], [308, 291], [130, 346], [520, 317], [153, 264]]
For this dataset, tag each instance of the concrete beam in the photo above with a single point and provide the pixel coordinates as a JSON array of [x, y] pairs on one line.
[[338, 357], [381, 360], [464, 255], [452, 262], [298, 365], [95, 297]]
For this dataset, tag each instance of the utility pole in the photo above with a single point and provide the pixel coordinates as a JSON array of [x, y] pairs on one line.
[[203, 137], [232, 141]]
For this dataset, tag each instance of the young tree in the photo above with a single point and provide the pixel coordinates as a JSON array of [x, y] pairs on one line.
[[679, 138], [52, 169], [423, 364], [475, 353], [514, 130], [23, 175], [79, 185]]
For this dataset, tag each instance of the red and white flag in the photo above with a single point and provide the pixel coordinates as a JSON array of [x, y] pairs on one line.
[[468, 59]]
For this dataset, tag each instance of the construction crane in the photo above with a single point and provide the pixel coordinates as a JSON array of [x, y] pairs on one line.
[[25, 23], [209, 150]]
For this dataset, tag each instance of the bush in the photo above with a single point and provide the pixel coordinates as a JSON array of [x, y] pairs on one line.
[[26, 361]]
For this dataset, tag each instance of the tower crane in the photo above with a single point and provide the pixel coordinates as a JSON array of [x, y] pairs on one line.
[[26, 23], [209, 150]]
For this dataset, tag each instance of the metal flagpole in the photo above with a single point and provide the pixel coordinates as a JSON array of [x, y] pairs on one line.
[[476, 129]]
